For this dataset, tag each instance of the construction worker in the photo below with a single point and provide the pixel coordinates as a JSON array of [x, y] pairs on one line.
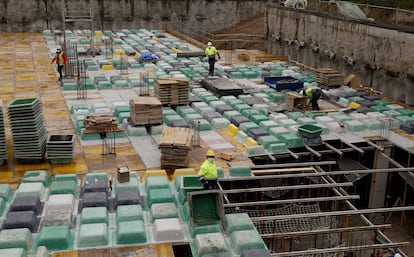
[[208, 172], [60, 60], [313, 94], [211, 53]]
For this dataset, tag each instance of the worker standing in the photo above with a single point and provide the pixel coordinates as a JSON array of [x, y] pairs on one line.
[[208, 172], [211, 53], [60, 60], [313, 94]]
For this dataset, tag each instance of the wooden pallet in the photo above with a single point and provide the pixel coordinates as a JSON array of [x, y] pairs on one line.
[[175, 144], [172, 91], [145, 110], [329, 77]]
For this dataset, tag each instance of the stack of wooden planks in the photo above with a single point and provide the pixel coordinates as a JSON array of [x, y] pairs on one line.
[[172, 91], [329, 77], [100, 123], [145, 110], [175, 143]]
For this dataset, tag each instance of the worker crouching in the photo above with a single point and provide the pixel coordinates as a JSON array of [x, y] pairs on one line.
[[313, 94], [208, 172]]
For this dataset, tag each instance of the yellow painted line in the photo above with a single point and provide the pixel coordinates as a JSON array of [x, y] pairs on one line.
[[6, 88]]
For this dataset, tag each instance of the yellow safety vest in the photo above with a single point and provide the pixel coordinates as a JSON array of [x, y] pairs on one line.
[[211, 51], [208, 170], [309, 92]]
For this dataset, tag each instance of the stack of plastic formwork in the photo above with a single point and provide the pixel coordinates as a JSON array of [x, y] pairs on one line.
[[28, 129], [3, 151], [60, 148]]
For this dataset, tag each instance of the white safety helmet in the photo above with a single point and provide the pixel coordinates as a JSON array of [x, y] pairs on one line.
[[209, 43], [58, 48]]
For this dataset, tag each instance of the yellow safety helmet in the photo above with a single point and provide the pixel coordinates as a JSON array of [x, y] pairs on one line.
[[210, 153]]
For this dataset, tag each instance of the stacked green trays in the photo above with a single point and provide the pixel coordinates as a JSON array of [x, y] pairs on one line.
[[105, 84], [313, 115], [89, 84], [241, 107], [355, 125], [379, 108], [305, 120], [266, 141], [382, 102], [230, 114], [391, 113], [277, 97], [294, 115], [258, 118], [404, 119], [69, 86], [121, 84], [183, 110], [247, 126], [406, 112], [291, 141], [3, 150], [278, 131], [28, 129], [168, 119], [249, 112], [267, 124]]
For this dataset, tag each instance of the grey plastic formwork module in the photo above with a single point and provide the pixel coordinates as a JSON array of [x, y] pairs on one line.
[[364, 110], [209, 116], [237, 120], [223, 108], [257, 132], [26, 203], [179, 124], [253, 100]]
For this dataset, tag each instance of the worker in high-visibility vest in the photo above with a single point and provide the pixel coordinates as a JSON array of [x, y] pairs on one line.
[[60, 60], [211, 53], [313, 94], [208, 171]]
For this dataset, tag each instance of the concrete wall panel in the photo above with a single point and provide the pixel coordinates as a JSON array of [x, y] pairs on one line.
[[382, 57]]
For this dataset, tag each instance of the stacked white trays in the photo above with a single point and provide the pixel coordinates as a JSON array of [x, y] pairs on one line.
[[28, 129], [3, 151]]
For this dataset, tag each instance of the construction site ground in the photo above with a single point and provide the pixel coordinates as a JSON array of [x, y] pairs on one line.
[[25, 71]]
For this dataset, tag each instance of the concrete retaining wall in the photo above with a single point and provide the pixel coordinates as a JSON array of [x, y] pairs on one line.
[[207, 15], [382, 57]]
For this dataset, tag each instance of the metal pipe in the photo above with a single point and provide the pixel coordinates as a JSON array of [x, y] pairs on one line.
[[333, 149], [319, 174], [353, 147], [340, 249], [325, 231], [293, 154], [333, 213], [380, 148], [287, 165], [313, 151], [397, 164], [301, 200], [280, 188]]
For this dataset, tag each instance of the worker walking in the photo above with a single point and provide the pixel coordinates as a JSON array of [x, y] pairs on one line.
[[211, 53], [313, 94], [208, 172], [60, 60]]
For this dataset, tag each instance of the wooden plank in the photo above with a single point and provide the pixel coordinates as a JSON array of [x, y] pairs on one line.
[[278, 171]]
